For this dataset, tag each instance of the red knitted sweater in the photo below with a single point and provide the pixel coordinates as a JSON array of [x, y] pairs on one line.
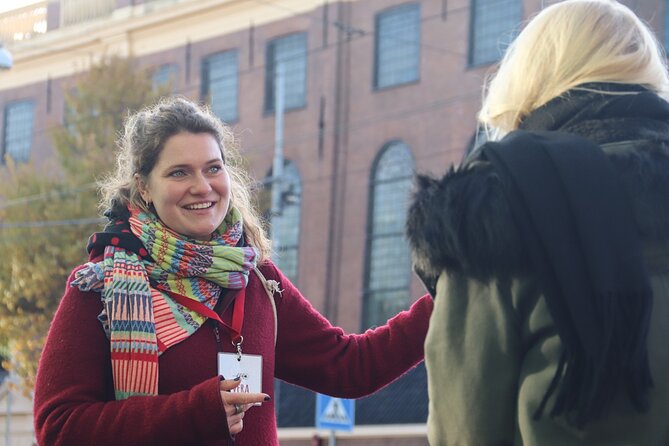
[[74, 393]]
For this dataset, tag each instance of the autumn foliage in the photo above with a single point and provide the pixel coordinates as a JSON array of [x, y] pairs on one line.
[[48, 212]]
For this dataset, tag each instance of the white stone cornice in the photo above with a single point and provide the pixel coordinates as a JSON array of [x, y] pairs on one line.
[[141, 30]]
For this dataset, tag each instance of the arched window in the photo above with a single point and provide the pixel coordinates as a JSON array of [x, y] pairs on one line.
[[285, 225], [388, 263]]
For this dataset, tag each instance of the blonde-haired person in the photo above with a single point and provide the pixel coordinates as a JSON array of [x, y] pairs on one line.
[[547, 249], [174, 330], [565, 46]]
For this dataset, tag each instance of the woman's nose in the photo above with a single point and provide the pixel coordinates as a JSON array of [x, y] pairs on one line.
[[200, 185]]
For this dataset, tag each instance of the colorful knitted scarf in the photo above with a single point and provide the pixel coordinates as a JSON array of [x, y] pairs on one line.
[[154, 284]]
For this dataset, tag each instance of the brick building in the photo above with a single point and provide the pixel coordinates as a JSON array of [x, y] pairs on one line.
[[374, 91]]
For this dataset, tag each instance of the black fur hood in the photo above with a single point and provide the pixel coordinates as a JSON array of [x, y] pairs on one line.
[[463, 221]]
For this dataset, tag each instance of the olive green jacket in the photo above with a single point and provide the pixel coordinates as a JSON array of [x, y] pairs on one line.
[[492, 350]]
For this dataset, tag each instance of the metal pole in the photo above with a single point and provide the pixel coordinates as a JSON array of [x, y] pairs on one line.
[[8, 418], [277, 166], [332, 441]]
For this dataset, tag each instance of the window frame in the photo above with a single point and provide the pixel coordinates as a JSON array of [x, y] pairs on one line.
[[511, 32], [408, 7], [292, 177], [173, 76], [5, 147], [206, 83], [367, 319], [270, 61]]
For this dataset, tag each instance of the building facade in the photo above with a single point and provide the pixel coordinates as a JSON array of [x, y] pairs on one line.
[[374, 90]]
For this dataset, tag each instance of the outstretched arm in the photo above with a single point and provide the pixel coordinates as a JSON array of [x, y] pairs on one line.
[[312, 353]]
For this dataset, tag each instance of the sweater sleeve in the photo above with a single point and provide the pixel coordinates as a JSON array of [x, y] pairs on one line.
[[74, 396], [312, 353], [472, 354]]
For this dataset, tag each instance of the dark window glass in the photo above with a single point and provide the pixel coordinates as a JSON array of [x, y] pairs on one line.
[[397, 58], [220, 78], [18, 132], [494, 24], [286, 225], [165, 76], [291, 52], [388, 259]]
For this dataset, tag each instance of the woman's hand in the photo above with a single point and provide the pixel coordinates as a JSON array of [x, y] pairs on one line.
[[237, 403]]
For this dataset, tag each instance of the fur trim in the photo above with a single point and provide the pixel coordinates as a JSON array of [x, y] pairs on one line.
[[462, 222]]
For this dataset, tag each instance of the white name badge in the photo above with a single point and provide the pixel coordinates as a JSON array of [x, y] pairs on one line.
[[248, 368]]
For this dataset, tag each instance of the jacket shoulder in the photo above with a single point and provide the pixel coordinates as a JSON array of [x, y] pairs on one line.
[[462, 221]]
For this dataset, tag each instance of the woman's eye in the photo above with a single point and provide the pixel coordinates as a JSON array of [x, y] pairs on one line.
[[215, 169], [177, 173]]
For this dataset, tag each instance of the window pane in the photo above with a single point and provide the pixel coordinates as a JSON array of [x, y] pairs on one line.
[[390, 265], [388, 258], [286, 226], [386, 304], [220, 84], [395, 163], [398, 46], [19, 130], [495, 24], [291, 52], [165, 76]]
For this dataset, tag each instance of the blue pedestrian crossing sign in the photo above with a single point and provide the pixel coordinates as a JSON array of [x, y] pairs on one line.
[[337, 414]]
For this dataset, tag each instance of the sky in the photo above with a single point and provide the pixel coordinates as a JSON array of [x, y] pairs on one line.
[[6, 5]]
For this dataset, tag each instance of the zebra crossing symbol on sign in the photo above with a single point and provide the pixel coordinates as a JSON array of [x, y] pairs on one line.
[[334, 413]]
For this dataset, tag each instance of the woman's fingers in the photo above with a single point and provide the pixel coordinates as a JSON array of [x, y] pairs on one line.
[[241, 402], [239, 397], [229, 384], [234, 409], [235, 426], [237, 403]]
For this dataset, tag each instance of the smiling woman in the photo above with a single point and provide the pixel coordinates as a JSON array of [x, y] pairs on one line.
[[166, 337]]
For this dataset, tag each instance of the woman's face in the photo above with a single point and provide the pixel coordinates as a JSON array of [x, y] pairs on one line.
[[189, 185]]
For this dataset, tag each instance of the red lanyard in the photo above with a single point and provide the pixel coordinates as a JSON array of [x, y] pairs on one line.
[[235, 328]]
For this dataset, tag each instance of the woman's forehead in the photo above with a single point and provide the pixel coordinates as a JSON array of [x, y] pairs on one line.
[[188, 147]]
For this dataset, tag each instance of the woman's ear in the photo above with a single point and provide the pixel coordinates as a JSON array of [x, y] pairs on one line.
[[142, 188]]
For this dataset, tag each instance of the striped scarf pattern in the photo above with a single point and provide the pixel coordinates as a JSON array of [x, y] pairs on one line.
[[140, 315]]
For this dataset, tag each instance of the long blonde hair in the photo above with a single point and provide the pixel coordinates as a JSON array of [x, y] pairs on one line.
[[565, 45], [143, 139]]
